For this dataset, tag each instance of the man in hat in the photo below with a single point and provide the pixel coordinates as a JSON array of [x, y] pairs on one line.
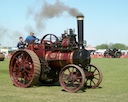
[[31, 38]]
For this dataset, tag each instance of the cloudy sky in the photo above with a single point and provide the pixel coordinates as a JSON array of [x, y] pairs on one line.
[[106, 21]]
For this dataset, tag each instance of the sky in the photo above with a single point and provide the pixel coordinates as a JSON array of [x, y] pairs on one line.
[[106, 21]]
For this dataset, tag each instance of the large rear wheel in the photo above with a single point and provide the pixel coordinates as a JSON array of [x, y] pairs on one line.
[[24, 68]]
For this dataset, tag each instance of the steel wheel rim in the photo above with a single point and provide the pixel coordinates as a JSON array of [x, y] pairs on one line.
[[72, 78], [23, 68], [95, 78]]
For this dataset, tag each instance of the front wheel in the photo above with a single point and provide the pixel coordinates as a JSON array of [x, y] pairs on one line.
[[94, 76], [72, 78]]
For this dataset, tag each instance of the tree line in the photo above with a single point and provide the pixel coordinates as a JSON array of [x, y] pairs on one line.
[[111, 46]]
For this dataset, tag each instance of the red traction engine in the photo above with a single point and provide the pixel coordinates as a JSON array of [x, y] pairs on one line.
[[64, 60]]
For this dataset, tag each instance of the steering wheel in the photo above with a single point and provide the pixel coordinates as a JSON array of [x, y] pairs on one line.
[[49, 39]]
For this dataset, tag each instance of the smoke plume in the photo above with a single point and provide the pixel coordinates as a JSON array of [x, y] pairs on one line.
[[48, 11], [40, 13]]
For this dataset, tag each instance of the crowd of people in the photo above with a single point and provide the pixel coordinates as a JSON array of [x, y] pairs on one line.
[[29, 40]]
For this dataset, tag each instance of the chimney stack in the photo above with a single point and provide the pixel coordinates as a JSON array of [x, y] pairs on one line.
[[80, 26]]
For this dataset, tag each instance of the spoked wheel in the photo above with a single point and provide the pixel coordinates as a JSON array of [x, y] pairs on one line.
[[49, 38], [72, 78], [94, 76], [24, 68]]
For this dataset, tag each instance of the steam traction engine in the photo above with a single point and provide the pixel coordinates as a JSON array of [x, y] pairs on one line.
[[53, 60], [114, 53]]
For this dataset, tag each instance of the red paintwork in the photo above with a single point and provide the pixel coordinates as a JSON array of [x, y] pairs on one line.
[[55, 59], [39, 49], [59, 59], [65, 42]]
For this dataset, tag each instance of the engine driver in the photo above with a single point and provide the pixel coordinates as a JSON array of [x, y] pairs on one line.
[[31, 38]]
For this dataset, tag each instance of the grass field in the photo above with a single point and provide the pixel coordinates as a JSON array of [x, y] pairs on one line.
[[114, 87]]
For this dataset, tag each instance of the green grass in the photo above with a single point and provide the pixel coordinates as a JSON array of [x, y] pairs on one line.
[[114, 87]]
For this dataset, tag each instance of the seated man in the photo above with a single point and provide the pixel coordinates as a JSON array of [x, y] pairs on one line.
[[31, 38]]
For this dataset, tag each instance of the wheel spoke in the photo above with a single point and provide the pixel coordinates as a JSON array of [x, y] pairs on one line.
[[17, 61], [90, 68], [65, 75], [14, 69], [69, 70], [86, 80], [90, 82], [80, 77], [93, 82], [27, 58], [72, 69], [94, 70], [79, 82], [96, 78], [23, 56], [28, 71], [26, 77], [96, 74]]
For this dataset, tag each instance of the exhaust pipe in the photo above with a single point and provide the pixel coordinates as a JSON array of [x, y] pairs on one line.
[[80, 26]]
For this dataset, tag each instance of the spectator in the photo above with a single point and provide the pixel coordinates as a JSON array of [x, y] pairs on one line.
[[21, 44], [31, 38]]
